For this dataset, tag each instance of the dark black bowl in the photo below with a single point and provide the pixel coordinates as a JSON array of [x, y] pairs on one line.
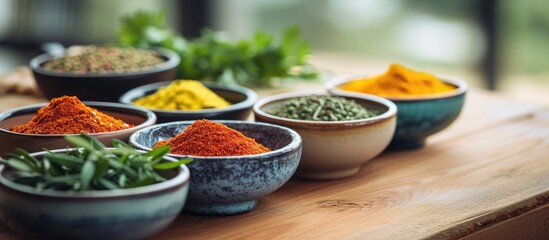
[[100, 87], [242, 99]]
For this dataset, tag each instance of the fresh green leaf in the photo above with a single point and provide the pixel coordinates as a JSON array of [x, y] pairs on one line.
[[18, 164], [171, 165], [143, 182], [88, 171], [33, 162], [107, 184], [158, 153], [64, 160], [89, 166], [100, 168], [81, 142]]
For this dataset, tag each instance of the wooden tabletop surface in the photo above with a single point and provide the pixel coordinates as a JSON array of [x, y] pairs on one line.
[[486, 176]]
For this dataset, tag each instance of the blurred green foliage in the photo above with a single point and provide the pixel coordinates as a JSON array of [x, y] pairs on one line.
[[258, 61]]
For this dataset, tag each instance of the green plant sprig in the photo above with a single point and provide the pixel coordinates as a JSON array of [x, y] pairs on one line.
[[90, 166], [257, 61]]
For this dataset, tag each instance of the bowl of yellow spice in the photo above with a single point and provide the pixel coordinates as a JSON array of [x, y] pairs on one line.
[[426, 103], [180, 100]]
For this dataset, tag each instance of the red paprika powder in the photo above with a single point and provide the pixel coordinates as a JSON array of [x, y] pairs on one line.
[[207, 138], [68, 115]]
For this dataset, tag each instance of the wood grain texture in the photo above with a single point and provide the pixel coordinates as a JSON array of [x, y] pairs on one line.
[[491, 167]]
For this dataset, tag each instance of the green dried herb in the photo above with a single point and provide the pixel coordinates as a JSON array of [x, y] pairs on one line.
[[91, 166], [103, 60], [322, 108]]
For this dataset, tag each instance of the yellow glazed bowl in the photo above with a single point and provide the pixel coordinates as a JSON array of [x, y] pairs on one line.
[[335, 149]]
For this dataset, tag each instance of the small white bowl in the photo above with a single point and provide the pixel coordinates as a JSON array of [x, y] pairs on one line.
[[335, 149]]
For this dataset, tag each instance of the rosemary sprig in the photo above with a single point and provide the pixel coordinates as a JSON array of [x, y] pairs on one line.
[[90, 166]]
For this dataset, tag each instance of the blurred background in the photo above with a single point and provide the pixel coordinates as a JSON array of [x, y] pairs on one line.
[[496, 45]]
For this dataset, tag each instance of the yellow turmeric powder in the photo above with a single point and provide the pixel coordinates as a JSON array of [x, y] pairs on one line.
[[183, 95], [399, 81]]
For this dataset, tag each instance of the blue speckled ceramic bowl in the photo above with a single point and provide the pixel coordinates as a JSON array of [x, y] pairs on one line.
[[136, 213], [419, 116], [233, 184]]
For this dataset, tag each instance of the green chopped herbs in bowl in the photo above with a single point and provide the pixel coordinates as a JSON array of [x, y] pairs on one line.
[[322, 108], [90, 166]]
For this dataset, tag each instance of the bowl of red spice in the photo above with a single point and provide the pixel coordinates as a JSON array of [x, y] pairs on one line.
[[235, 163], [39, 126], [101, 73], [427, 103]]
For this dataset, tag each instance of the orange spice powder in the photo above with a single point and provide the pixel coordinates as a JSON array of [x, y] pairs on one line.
[[208, 138], [68, 115]]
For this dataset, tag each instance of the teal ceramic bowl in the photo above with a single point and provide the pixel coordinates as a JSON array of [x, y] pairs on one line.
[[418, 117], [136, 213], [228, 185]]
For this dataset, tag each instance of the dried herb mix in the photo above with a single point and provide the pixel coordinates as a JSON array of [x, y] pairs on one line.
[[322, 108], [103, 60]]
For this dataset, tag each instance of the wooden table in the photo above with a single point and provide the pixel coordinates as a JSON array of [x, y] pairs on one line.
[[486, 176]]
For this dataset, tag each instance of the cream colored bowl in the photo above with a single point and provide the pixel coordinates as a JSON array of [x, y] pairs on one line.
[[335, 149]]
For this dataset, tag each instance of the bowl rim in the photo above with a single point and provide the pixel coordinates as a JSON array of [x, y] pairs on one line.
[[172, 61], [149, 120], [294, 144], [391, 108], [251, 97], [460, 84], [182, 177]]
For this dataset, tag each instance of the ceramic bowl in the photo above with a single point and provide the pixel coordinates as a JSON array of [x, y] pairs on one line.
[[241, 100], [136, 213], [100, 87], [232, 184], [335, 149], [139, 117], [418, 117]]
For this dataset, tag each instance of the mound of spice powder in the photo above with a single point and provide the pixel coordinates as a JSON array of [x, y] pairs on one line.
[[183, 95], [68, 115], [399, 81], [207, 138]]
